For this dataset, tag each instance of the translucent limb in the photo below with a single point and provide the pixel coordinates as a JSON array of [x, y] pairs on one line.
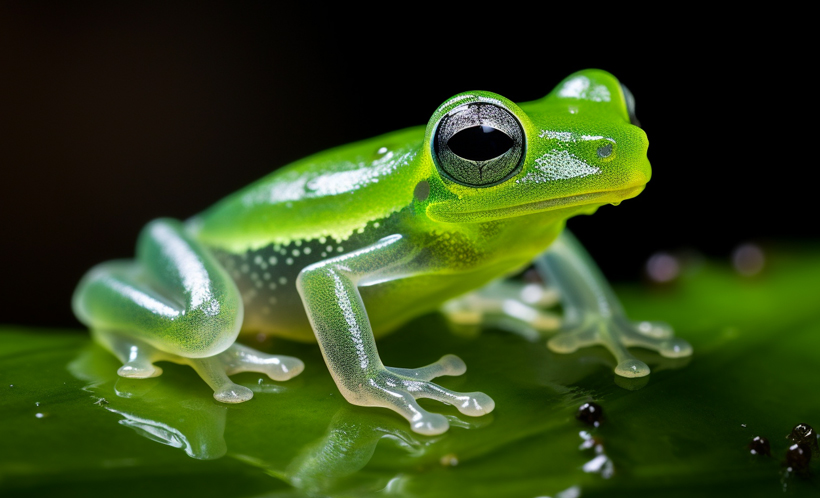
[[449, 364], [399, 392], [138, 358], [212, 371], [239, 358], [329, 291], [176, 303], [509, 305], [593, 315]]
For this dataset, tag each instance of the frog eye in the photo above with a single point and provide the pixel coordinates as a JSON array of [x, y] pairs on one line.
[[478, 144], [630, 105]]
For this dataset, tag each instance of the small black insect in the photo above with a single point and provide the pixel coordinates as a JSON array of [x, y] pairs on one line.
[[804, 433], [760, 446], [590, 414]]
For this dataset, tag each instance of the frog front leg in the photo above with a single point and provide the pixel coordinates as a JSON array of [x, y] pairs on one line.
[[593, 315], [176, 303], [329, 291]]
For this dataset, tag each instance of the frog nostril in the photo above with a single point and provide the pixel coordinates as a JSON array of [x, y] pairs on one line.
[[605, 151]]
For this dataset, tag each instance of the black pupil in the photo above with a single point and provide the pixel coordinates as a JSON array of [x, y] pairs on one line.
[[480, 143]]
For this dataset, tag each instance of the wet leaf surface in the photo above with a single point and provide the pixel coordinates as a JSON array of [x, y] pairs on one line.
[[70, 427]]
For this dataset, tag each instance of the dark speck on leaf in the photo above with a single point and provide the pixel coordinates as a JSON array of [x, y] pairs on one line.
[[798, 456], [804, 433], [590, 414], [760, 446]]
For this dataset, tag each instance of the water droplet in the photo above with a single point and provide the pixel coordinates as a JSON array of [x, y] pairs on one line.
[[803, 433]]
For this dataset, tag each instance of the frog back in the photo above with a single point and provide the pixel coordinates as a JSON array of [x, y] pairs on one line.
[[331, 194]]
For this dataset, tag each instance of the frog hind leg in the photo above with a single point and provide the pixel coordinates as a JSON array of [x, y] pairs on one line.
[[173, 303], [137, 357], [510, 305]]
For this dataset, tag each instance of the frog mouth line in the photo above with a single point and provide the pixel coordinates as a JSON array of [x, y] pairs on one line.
[[602, 197]]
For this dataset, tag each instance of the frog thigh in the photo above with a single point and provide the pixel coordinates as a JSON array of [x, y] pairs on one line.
[[175, 296], [176, 303]]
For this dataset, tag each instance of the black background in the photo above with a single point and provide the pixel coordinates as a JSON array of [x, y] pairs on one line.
[[114, 114]]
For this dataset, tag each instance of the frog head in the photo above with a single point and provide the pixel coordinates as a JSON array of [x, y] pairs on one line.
[[569, 152]]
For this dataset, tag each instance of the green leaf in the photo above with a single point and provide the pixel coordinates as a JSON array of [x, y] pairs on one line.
[[70, 426]]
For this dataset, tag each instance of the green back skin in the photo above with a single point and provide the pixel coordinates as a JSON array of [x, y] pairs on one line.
[[349, 197]]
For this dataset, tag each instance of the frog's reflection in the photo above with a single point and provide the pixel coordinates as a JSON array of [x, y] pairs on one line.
[[164, 412], [181, 414]]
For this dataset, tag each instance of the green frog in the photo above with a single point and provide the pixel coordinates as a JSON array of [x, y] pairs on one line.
[[348, 244]]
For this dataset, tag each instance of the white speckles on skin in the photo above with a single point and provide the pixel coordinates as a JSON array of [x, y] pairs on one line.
[[272, 260], [329, 248], [376, 225], [295, 253], [244, 268], [306, 250], [322, 240], [343, 300], [254, 276], [558, 165], [289, 261], [298, 242], [272, 300], [563, 136], [272, 286], [340, 249], [259, 284], [258, 260], [266, 276], [361, 230], [324, 254], [283, 281]]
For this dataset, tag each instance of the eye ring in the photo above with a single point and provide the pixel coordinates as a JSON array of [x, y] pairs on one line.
[[478, 144]]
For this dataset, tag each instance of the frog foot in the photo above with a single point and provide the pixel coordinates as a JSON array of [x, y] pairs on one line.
[[398, 389], [616, 335], [238, 358], [138, 359]]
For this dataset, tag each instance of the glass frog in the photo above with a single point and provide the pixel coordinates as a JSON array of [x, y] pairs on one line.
[[346, 245]]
